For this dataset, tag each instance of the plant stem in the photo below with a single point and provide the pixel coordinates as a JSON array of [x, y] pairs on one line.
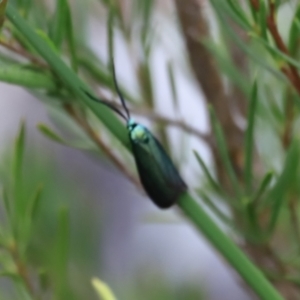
[[253, 276], [83, 123]]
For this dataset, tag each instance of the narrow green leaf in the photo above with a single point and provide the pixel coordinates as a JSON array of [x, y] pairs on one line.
[[215, 209], [233, 11], [263, 20], [59, 23], [110, 37], [81, 142], [209, 177], [24, 76], [224, 152], [275, 51], [70, 38], [172, 83], [34, 202], [280, 189], [49, 133], [294, 32], [103, 290], [263, 187], [253, 232], [46, 39], [18, 155], [146, 9], [249, 139], [25, 220], [240, 16]]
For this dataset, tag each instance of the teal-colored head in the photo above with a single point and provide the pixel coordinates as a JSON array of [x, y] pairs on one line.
[[138, 133]]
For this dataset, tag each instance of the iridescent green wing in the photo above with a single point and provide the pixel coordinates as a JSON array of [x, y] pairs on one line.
[[158, 174]]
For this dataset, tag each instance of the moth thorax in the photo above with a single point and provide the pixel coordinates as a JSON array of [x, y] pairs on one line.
[[139, 134]]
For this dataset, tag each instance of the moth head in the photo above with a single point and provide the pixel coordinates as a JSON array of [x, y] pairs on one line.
[[138, 133]]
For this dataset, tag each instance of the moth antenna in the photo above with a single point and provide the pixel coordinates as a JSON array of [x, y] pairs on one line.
[[111, 106], [118, 89]]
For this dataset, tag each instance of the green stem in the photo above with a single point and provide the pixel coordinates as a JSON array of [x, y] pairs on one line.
[[252, 275]]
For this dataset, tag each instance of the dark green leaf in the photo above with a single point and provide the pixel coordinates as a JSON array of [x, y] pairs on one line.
[[207, 174], [110, 36], [221, 143], [263, 20], [24, 76], [285, 180], [34, 202], [18, 155], [249, 139], [263, 187], [294, 32], [70, 38], [59, 23]]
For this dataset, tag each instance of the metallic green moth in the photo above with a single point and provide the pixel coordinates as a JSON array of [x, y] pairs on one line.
[[160, 178]]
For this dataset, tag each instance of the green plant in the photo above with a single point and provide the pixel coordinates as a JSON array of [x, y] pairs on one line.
[[261, 68]]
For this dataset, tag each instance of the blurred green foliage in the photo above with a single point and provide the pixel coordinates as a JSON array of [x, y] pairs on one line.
[[46, 249]]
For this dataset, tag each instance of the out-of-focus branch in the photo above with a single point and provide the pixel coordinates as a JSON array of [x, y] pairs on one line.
[[21, 268], [151, 115], [22, 52], [94, 136], [194, 28], [289, 70], [292, 74], [255, 4]]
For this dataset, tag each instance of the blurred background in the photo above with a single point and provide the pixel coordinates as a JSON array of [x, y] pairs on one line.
[[71, 210]]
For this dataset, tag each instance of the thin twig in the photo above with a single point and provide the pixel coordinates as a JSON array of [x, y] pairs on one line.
[[169, 122], [255, 4], [21, 268], [292, 74], [289, 70], [95, 137], [23, 53]]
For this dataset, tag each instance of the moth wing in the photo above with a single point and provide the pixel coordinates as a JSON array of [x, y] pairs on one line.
[[158, 174]]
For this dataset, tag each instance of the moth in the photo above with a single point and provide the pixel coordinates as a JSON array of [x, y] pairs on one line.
[[160, 178]]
